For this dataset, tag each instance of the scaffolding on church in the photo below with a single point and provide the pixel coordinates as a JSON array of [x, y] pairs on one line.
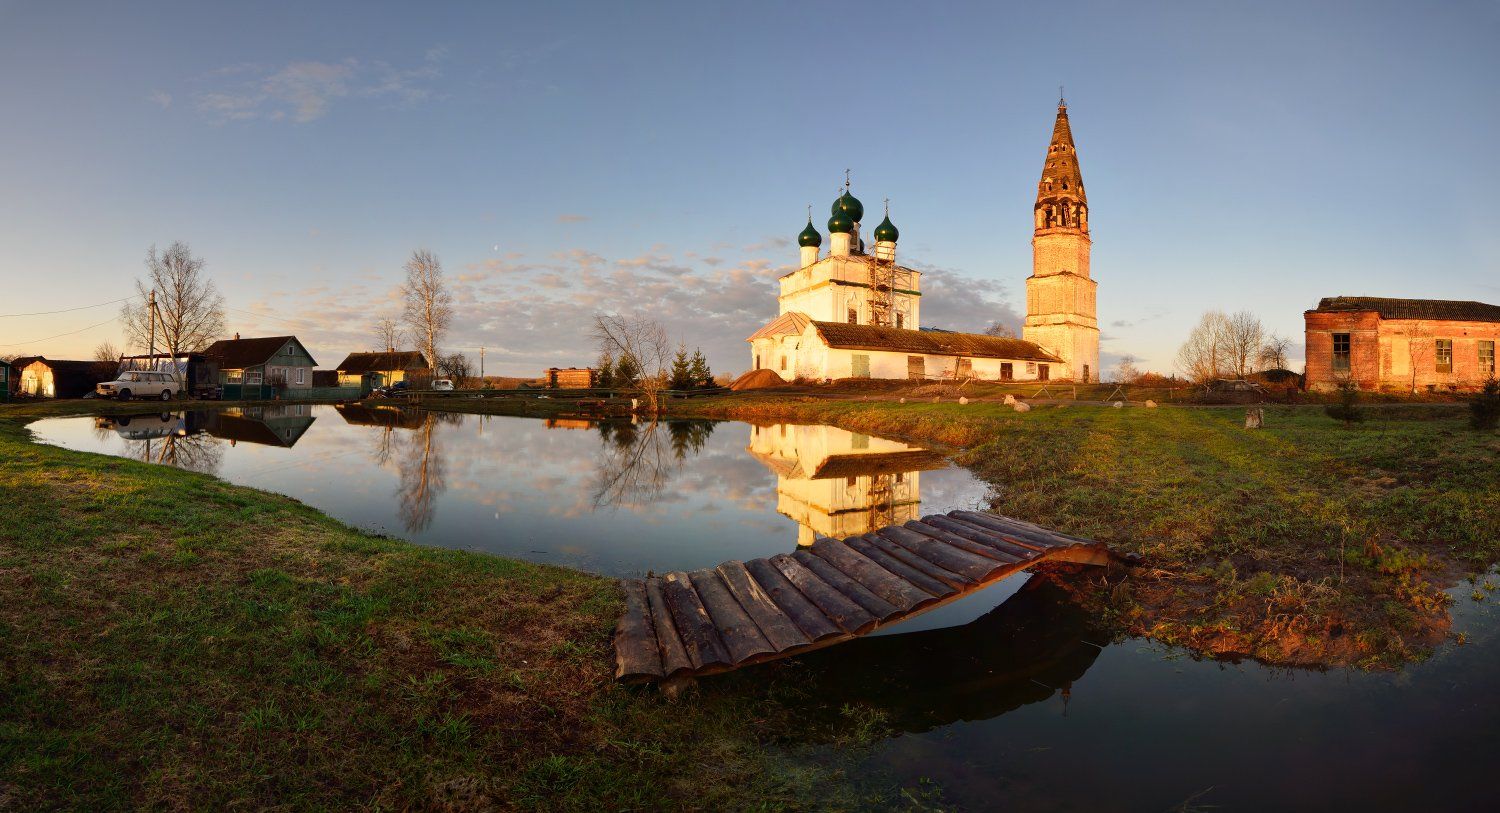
[[890, 305]]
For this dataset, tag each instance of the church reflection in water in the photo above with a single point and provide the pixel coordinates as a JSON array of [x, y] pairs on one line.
[[833, 482]]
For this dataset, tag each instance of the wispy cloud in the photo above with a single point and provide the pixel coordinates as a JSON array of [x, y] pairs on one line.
[[572, 218], [161, 98], [304, 91]]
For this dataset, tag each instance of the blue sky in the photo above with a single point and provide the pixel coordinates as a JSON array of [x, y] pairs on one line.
[[659, 157]]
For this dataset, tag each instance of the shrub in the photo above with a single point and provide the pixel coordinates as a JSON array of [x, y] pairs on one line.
[[1484, 410], [1347, 409]]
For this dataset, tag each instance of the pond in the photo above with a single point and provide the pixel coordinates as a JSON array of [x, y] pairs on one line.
[[1012, 697]]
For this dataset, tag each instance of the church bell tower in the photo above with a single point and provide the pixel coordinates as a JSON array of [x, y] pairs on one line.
[[1060, 296]]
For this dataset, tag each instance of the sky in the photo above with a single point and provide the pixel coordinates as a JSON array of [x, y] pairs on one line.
[[657, 159]]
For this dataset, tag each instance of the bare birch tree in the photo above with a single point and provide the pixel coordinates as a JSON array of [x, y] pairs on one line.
[[642, 340], [389, 334], [1203, 357], [190, 311], [429, 303], [1243, 337]]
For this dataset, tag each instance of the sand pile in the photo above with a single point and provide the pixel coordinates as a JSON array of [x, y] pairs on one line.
[[757, 380]]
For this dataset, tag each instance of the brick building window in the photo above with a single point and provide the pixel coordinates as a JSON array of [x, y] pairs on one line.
[[1487, 359], [1443, 349], [1341, 352]]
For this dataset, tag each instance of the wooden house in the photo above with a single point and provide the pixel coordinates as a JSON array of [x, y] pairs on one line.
[[371, 370], [572, 378], [261, 367], [46, 378], [4, 380]]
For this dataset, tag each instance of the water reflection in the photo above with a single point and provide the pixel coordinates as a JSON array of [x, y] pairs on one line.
[[637, 459], [837, 483]]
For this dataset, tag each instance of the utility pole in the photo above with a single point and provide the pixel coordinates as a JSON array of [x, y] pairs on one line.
[[151, 345], [481, 364]]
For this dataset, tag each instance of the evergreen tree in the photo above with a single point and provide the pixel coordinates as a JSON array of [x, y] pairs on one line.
[[698, 370], [682, 377], [606, 376], [627, 372]]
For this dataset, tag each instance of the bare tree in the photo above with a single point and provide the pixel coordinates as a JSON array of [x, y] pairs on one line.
[[189, 309], [1273, 353], [455, 367], [389, 334], [429, 304], [106, 353], [1204, 356], [1243, 337], [643, 341], [1126, 372], [1001, 330]]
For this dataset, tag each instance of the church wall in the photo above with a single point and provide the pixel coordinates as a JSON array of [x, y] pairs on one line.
[[1065, 251]]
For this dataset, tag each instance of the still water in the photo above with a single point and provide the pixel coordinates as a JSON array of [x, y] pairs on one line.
[[1012, 698]]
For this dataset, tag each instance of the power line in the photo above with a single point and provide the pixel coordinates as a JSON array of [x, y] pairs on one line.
[[70, 310], [60, 335]]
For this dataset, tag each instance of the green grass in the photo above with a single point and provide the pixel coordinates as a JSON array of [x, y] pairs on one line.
[[170, 640]]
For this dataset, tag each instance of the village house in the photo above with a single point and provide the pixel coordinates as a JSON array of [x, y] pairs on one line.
[[257, 368], [48, 378], [369, 371], [1400, 344], [853, 314], [4, 380]]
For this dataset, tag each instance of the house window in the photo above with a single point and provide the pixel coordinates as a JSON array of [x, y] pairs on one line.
[[1444, 352], [1031, 369], [252, 378], [900, 320], [783, 362], [299, 374], [234, 376], [1007, 371], [1487, 359], [853, 316], [1043, 372], [1341, 352], [859, 365]]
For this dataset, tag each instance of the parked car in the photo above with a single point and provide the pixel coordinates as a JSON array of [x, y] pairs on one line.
[[443, 385], [391, 390], [140, 384]]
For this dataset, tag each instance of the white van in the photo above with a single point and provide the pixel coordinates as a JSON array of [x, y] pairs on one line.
[[140, 384], [443, 385]]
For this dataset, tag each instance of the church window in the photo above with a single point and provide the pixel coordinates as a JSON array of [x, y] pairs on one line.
[[1487, 359], [853, 315], [1043, 372], [783, 362], [1341, 352], [1444, 348], [900, 321], [1007, 371], [1085, 374], [851, 481]]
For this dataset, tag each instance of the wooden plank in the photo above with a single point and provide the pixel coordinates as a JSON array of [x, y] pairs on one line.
[[780, 631], [942, 574], [806, 615], [849, 586], [1007, 535], [735, 627], [849, 616], [984, 536], [968, 545], [1025, 531], [674, 658], [927, 583], [899, 592], [636, 654], [971, 566], [704, 647]]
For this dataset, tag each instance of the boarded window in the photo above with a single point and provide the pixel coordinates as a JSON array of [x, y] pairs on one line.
[[1031, 369], [859, 365], [1444, 352], [1043, 372], [1487, 359], [965, 368], [1341, 352], [1007, 371], [853, 316], [858, 441], [783, 362], [916, 367]]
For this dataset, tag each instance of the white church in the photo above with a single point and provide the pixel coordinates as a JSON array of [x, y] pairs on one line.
[[855, 314]]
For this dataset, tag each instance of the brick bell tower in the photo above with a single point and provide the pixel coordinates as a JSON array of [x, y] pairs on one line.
[[1060, 296]]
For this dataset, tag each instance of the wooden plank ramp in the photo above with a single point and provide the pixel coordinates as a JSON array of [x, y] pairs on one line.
[[683, 625]]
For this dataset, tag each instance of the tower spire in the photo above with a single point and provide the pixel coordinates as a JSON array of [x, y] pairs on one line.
[[1060, 198]]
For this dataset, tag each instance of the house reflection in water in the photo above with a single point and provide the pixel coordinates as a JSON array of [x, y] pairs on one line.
[[837, 483], [278, 425], [189, 440]]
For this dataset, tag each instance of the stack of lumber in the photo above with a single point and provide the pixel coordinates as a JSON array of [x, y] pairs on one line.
[[740, 613]]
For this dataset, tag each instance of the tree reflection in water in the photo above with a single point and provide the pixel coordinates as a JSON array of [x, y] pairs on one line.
[[636, 460], [198, 452], [420, 469]]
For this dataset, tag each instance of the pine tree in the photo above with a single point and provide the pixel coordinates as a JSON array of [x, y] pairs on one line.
[[682, 378], [699, 372], [627, 371], [606, 377]]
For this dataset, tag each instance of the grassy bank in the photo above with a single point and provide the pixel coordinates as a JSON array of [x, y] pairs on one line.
[[170, 640]]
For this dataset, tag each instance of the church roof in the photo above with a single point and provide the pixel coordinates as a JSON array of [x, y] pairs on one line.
[[900, 340], [789, 323], [1061, 167], [1438, 309]]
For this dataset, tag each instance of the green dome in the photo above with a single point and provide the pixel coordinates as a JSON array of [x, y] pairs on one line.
[[840, 223], [849, 205], [886, 231], [809, 236]]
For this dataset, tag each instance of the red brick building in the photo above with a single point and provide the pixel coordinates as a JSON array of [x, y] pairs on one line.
[[1401, 344]]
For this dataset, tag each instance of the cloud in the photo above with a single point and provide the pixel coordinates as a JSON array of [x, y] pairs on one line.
[[1153, 313], [303, 91], [161, 98], [569, 218]]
